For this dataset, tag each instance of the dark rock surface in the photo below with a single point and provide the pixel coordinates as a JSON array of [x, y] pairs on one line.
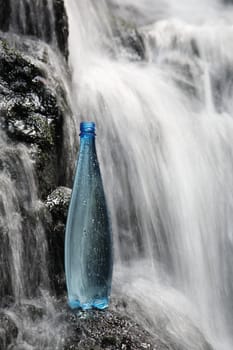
[[8, 330], [5, 14], [61, 26], [128, 40], [30, 112], [96, 330], [115, 329], [57, 204]]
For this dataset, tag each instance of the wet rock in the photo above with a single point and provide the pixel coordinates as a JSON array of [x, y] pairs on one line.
[[136, 42], [61, 26], [108, 330], [129, 40], [162, 328], [132, 40], [6, 289], [31, 311], [8, 330], [57, 204], [116, 328], [5, 14], [30, 112]]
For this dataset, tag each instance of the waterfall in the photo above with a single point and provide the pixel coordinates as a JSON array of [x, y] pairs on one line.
[[165, 128], [34, 18], [33, 90], [25, 287], [22, 249], [45, 20]]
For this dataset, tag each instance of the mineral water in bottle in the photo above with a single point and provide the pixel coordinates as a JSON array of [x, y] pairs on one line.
[[88, 241]]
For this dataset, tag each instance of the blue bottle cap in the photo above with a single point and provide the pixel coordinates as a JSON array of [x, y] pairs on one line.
[[87, 127]]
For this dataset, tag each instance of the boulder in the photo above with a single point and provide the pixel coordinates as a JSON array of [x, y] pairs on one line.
[[58, 202], [116, 328], [96, 330]]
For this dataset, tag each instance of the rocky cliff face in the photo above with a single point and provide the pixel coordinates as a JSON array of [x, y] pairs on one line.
[[33, 110]]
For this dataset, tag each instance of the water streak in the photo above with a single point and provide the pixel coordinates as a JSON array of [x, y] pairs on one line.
[[166, 153], [34, 18]]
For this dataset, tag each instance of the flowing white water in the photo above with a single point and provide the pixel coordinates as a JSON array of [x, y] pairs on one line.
[[165, 133], [25, 288], [17, 199], [24, 254]]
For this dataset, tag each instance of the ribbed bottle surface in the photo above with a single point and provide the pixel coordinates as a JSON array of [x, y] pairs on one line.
[[88, 242]]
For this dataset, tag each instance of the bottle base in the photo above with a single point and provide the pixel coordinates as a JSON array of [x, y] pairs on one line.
[[99, 304]]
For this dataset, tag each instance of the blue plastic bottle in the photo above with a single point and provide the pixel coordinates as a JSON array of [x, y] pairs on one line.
[[88, 242]]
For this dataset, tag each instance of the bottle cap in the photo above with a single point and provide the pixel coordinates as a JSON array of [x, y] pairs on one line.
[[87, 127]]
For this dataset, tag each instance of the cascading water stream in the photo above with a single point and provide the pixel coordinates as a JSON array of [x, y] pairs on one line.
[[24, 251], [162, 100], [25, 289], [165, 144], [18, 201], [34, 17]]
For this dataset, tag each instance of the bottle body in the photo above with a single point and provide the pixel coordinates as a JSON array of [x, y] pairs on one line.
[[88, 242]]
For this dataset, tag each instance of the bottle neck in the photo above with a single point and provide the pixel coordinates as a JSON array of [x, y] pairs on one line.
[[87, 137], [87, 143], [87, 129]]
